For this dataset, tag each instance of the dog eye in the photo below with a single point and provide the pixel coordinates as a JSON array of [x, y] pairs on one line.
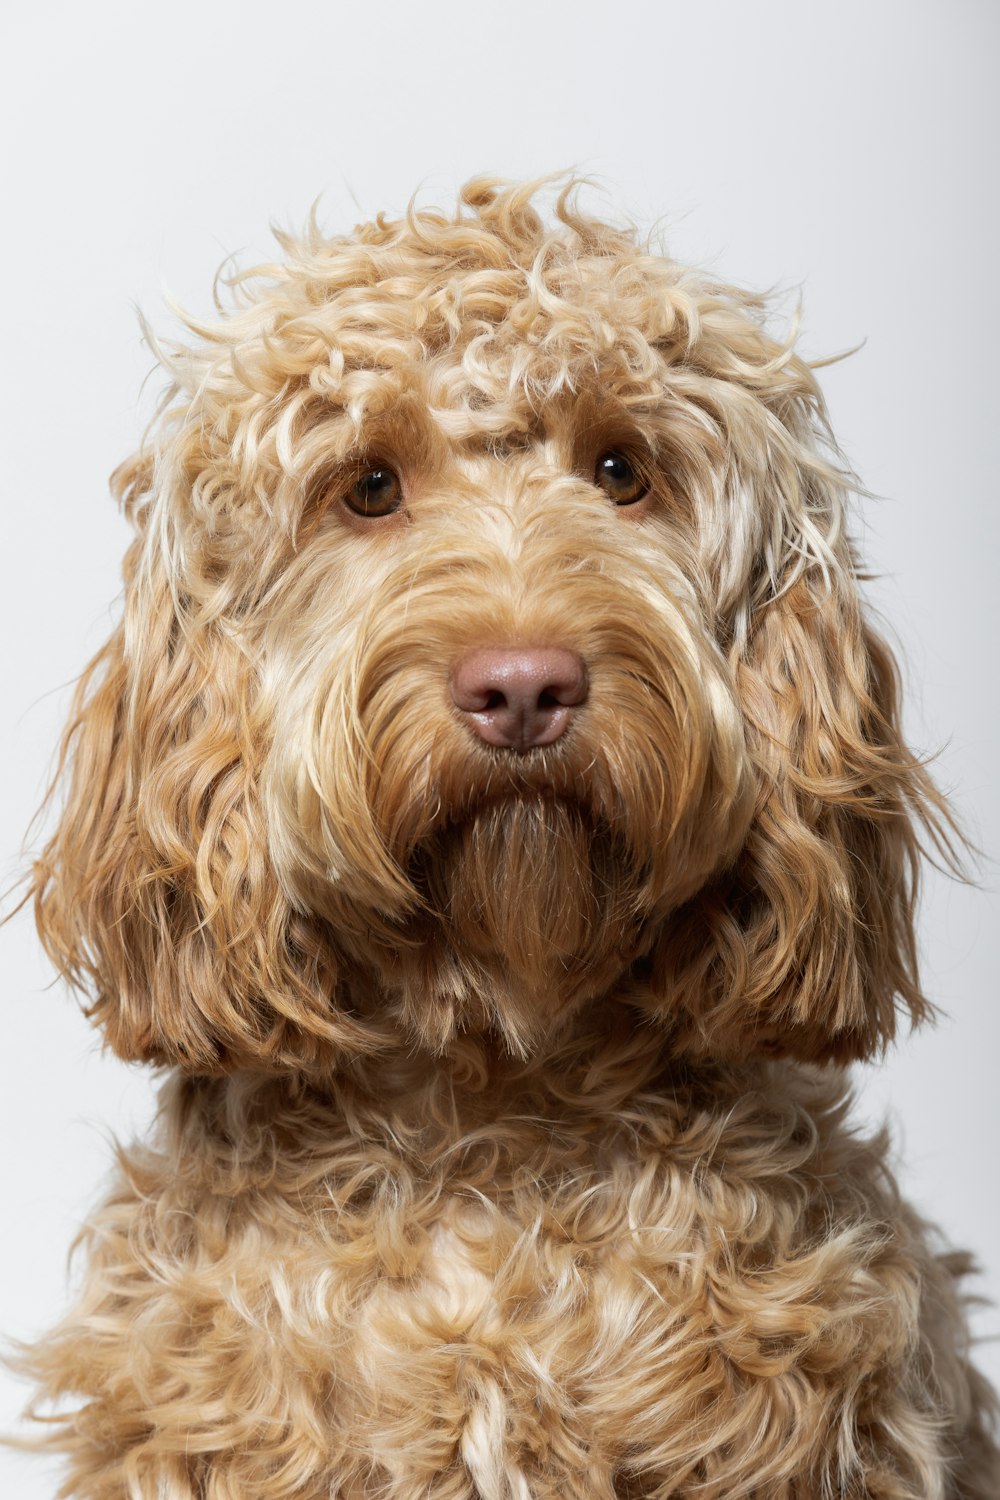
[[376, 492], [619, 480]]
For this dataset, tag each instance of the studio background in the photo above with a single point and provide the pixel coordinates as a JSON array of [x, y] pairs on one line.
[[847, 151]]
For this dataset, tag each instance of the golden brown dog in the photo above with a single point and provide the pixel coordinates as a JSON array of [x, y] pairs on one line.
[[492, 807]]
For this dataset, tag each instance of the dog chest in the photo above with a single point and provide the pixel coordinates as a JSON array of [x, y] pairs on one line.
[[587, 1311]]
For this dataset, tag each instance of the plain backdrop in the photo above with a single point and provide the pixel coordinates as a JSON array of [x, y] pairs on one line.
[[844, 150]]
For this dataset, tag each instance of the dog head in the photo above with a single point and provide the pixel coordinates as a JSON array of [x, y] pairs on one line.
[[491, 645]]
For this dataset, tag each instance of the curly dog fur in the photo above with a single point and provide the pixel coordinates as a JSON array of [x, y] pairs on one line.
[[504, 1154]]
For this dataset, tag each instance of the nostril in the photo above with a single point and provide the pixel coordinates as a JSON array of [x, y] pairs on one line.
[[519, 697]]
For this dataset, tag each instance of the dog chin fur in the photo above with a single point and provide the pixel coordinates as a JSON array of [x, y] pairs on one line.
[[531, 910], [504, 1152]]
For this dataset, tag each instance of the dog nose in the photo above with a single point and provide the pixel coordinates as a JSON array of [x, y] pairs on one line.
[[518, 697]]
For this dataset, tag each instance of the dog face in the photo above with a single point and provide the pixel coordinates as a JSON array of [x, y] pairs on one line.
[[491, 645], [504, 747]]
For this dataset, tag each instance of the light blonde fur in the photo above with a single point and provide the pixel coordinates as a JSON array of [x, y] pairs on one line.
[[504, 1156]]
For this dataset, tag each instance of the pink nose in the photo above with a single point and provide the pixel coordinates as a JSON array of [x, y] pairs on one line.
[[518, 697]]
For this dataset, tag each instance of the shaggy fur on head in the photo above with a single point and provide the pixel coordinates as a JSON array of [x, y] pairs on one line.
[[489, 1168]]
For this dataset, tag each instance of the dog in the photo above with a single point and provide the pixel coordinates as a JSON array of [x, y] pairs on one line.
[[492, 811]]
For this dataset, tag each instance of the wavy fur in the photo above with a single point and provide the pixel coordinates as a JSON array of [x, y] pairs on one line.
[[490, 1167]]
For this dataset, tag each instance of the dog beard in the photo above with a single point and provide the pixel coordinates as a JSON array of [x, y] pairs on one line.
[[530, 906]]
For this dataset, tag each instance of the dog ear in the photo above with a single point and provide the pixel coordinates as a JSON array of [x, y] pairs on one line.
[[154, 895], [806, 946]]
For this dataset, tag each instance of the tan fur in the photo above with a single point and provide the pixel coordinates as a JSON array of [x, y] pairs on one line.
[[494, 1163]]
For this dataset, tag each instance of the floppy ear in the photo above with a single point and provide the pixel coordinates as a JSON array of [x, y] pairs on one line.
[[806, 946], [155, 896]]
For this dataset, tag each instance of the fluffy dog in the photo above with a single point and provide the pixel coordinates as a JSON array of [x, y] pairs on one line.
[[492, 807]]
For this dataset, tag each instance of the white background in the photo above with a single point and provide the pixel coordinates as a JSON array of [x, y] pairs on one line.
[[849, 148]]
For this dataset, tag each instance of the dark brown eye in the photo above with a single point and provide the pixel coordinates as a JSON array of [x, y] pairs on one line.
[[618, 479], [376, 492]]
